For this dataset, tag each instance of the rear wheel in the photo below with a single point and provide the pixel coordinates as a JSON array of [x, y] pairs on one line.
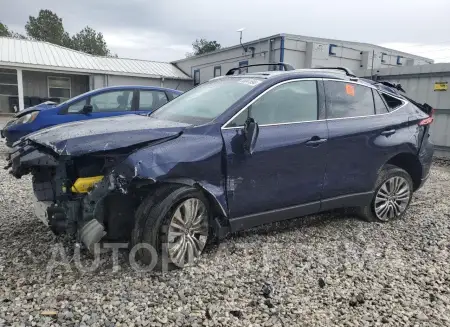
[[393, 193], [174, 221]]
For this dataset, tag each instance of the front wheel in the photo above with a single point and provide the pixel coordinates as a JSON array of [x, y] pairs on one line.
[[175, 223], [393, 193]]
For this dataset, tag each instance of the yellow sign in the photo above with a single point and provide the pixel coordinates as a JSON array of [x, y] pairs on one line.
[[441, 86]]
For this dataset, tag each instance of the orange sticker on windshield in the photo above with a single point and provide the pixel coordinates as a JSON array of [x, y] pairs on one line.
[[350, 89]]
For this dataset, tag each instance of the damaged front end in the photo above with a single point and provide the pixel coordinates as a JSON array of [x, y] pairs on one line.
[[89, 179], [77, 195]]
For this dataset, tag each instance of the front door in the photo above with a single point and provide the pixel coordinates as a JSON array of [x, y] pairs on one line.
[[288, 164]]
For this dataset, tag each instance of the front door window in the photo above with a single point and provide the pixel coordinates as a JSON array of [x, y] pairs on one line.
[[291, 102]]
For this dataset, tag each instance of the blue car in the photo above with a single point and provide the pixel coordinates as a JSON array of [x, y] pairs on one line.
[[99, 103], [233, 153]]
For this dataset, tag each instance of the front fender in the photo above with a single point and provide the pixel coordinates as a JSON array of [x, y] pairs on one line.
[[191, 159]]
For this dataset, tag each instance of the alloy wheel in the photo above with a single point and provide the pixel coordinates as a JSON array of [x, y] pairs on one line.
[[392, 198], [188, 232]]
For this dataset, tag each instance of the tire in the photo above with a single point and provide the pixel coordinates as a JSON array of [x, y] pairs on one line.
[[154, 221], [400, 202]]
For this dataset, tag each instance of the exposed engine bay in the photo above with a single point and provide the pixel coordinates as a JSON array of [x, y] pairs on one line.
[[80, 195]]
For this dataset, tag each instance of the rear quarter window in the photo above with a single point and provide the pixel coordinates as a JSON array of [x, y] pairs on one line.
[[380, 106], [392, 103]]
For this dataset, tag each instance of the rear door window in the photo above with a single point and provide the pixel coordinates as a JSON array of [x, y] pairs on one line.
[[346, 100]]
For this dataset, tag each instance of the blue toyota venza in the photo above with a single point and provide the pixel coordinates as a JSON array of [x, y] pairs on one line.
[[233, 153], [99, 103]]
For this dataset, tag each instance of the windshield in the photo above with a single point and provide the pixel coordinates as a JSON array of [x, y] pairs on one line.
[[207, 101]]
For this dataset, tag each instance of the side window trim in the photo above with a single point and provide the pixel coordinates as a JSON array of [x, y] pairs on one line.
[[320, 103], [373, 102]]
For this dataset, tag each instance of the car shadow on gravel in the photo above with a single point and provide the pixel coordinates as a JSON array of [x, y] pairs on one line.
[[302, 223]]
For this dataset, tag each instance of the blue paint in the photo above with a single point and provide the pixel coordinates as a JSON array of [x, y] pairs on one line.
[[55, 114]]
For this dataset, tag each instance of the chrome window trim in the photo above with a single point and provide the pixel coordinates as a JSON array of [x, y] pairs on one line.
[[224, 127]]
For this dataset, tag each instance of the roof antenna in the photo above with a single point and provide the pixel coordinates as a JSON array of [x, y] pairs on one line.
[[240, 38]]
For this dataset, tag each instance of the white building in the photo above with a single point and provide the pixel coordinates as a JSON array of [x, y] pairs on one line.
[[299, 51], [32, 72]]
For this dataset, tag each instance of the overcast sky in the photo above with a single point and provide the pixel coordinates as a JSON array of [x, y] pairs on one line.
[[164, 29]]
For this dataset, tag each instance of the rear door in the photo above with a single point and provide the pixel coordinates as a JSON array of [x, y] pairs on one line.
[[288, 164], [363, 135], [150, 100]]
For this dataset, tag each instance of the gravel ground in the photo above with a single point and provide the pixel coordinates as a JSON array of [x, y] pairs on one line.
[[323, 270]]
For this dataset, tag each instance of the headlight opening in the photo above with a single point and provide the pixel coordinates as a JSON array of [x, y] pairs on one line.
[[28, 118]]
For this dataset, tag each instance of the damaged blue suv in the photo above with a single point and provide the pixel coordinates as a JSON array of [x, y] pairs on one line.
[[233, 153]]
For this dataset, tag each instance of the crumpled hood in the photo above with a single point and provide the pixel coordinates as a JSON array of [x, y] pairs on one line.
[[105, 134], [39, 107]]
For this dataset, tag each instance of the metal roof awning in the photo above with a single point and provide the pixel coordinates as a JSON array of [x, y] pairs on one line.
[[47, 56]]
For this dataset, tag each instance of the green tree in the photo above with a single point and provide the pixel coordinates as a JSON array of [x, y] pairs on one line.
[[4, 31], [89, 41], [203, 46], [47, 26]]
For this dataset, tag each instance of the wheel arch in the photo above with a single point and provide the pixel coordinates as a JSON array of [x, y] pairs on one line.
[[214, 194], [411, 164]]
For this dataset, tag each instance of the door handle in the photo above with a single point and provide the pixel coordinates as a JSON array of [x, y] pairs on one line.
[[388, 132], [315, 141]]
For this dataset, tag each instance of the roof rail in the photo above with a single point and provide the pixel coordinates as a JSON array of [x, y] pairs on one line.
[[347, 71], [285, 66]]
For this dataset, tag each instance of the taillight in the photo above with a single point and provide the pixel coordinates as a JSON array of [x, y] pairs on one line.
[[429, 120]]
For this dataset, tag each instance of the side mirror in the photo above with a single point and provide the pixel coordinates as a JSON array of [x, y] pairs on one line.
[[251, 132], [87, 109]]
